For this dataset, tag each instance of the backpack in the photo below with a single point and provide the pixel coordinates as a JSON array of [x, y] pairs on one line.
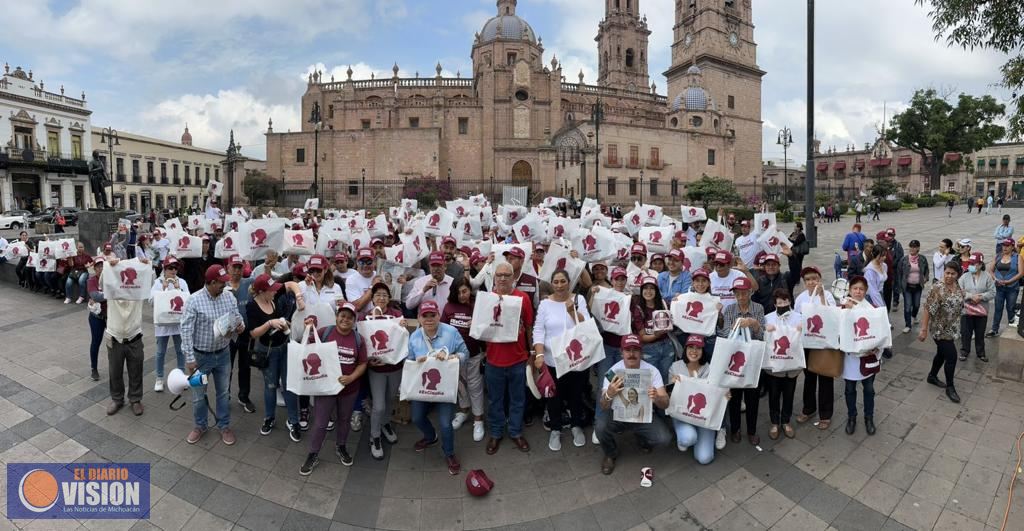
[[325, 332]]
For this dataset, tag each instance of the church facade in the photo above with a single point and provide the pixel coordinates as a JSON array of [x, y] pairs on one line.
[[518, 118]]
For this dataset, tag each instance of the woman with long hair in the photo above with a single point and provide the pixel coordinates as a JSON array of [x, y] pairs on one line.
[[1007, 272], [165, 333], [942, 311], [657, 345], [694, 365], [459, 314]]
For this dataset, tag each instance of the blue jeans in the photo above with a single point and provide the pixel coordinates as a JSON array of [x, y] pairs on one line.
[[1005, 296], [612, 355], [661, 354], [911, 303], [217, 367], [869, 397], [445, 412], [96, 328], [161, 351], [276, 376], [702, 440], [83, 279], [498, 380]]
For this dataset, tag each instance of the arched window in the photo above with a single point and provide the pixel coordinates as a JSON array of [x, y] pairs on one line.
[[629, 58]]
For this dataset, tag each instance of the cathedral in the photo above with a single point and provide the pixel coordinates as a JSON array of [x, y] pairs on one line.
[[519, 119]]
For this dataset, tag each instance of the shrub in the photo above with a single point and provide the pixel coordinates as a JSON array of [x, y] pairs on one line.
[[944, 197], [740, 213], [889, 206], [908, 206], [843, 208], [926, 201]]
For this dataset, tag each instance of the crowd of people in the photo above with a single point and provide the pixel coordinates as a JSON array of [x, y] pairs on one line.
[[946, 297]]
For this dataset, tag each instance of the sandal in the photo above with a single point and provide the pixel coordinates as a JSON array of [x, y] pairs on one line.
[[824, 424], [773, 433], [788, 430], [801, 418]]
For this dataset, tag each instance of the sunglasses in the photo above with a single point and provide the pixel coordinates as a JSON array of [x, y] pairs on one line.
[[637, 258], [364, 261]]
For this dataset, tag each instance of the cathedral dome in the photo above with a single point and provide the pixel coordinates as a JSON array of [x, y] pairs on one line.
[[692, 99], [507, 27], [186, 137]]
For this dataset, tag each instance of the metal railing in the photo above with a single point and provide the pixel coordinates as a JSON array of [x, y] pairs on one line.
[[378, 194]]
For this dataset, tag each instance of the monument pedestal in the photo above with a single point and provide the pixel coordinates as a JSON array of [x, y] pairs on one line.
[[1010, 355], [96, 226]]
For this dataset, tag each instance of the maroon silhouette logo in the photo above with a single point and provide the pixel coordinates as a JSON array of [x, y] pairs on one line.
[[430, 379], [400, 257], [611, 310], [589, 243], [718, 238], [656, 237], [65, 245], [332, 244], [298, 240], [773, 241], [352, 223], [379, 340], [408, 204], [764, 224], [183, 243], [561, 263], [639, 278], [311, 364], [497, 312], [635, 219], [686, 263], [737, 361], [693, 212], [623, 253], [128, 277], [229, 243], [814, 324], [357, 244], [467, 229], [782, 346], [862, 326], [696, 403], [461, 211], [693, 308], [42, 263], [195, 221], [574, 350], [650, 213], [15, 251], [176, 304], [513, 215], [258, 237], [525, 231], [435, 218], [234, 225], [416, 244], [371, 224], [559, 231]]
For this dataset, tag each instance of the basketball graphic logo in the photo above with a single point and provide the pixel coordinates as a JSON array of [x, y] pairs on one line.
[[814, 324], [311, 364], [38, 490], [696, 403], [737, 361]]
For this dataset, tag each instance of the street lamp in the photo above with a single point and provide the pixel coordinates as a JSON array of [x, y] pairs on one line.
[[109, 137], [785, 140], [232, 156], [597, 115], [641, 187], [314, 118]]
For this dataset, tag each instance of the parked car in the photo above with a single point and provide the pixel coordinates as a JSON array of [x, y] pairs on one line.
[[46, 216], [132, 215], [13, 220]]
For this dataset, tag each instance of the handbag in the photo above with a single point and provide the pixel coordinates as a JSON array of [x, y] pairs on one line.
[[870, 365], [825, 362], [698, 402], [974, 309], [784, 350], [313, 368], [259, 354], [736, 362], [577, 349], [864, 328]]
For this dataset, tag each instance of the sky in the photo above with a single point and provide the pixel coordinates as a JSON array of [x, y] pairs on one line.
[[151, 66]]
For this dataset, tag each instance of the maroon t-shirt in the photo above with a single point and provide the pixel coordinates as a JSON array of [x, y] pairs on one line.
[[460, 316], [349, 355]]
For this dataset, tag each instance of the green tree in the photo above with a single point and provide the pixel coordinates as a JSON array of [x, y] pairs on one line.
[[989, 24], [260, 187], [717, 190], [883, 188], [932, 127]]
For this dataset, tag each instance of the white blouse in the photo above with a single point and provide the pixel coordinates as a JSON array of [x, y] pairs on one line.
[[552, 321]]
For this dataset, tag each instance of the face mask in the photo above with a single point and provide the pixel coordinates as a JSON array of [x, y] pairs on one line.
[[782, 308], [972, 269]]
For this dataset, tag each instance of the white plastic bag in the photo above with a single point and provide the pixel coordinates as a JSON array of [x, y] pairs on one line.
[[611, 309], [313, 368], [696, 313], [432, 380], [736, 362], [496, 317]]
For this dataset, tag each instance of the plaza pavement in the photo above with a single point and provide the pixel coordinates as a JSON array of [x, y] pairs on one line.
[[932, 464]]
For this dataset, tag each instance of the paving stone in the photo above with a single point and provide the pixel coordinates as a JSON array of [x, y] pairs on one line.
[[649, 502], [825, 502], [768, 506], [709, 505], [799, 519], [263, 515], [944, 466], [359, 510], [227, 502], [740, 485], [208, 522], [847, 479], [194, 488], [318, 500], [930, 487], [795, 484], [897, 473], [401, 514], [616, 513], [441, 514], [952, 521], [581, 519], [916, 513], [301, 521], [30, 428]]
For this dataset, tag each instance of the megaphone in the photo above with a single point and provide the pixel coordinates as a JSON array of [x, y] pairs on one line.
[[177, 382]]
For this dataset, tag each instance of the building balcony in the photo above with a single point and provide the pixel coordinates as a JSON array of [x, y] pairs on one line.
[[26, 156], [121, 177], [1002, 172], [136, 178], [634, 164], [163, 180], [655, 164], [612, 163]]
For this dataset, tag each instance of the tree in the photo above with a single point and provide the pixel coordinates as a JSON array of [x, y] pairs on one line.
[[991, 24], [709, 190], [932, 127], [883, 188], [259, 187]]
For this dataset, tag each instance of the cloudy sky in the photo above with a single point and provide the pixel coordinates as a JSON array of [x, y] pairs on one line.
[[150, 66]]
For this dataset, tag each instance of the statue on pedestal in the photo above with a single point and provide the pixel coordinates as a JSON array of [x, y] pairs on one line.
[[97, 181]]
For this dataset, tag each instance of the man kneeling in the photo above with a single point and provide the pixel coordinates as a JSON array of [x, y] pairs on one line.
[[630, 415]]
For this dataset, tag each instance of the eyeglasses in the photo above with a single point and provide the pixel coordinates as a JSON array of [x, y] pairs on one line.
[[637, 258], [365, 261], [503, 275]]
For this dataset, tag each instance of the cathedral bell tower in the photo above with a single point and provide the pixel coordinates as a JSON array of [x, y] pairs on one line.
[[622, 46]]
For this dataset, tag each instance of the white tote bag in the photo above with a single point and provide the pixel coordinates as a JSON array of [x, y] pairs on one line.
[[595, 245], [313, 368], [611, 309], [562, 228], [698, 402], [772, 241], [168, 306], [300, 242], [258, 236], [386, 340], [469, 228], [763, 221], [195, 221], [233, 222], [736, 362], [65, 248], [864, 329], [438, 223], [717, 235], [186, 246], [496, 318], [784, 349], [650, 215], [657, 239], [47, 248], [821, 325], [173, 225], [215, 188], [559, 257], [696, 313], [432, 380], [694, 258], [128, 280], [46, 264], [226, 246], [692, 214], [378, 226], [530, 229], [577, 349], [16, 251]]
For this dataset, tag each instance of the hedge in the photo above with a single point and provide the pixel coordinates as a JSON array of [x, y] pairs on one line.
[[890, 206], [926, 201], [908, 206]]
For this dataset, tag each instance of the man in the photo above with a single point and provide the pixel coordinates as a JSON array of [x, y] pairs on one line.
[[161, 245], [357, 287], [434, 338], [433, 287], [523, 282], [539, 250], [1003, 232], [769, 279], [124, 327], [853, 243], [341, 270], [272, 265], [506, 368], [725, 275], [746, 245], [454, 268], [896, 253], [860, 211], [638, 255], [649, 435], [208, 351], [674, 281]]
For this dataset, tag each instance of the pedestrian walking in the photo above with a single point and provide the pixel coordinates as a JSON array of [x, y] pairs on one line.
[[942, 319]]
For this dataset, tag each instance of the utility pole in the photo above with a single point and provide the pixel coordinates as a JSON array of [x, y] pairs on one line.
[[314, 118], [810, 229], [597, 114]]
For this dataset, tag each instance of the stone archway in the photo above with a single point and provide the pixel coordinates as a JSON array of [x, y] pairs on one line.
[[522, 173]]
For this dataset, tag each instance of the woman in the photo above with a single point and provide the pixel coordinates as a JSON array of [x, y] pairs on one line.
[[557, 314], [819, 391], [97, 315], [859, 366], [384, 379], [78, 273], [979, 288], [144, 249], [59, 222], [352, 356], [269, 329], [168, 281], [962, 254], [320, 286], [943, 255], [912, 274], [599, 274], [693, 365], [942, 313], [26, 276], [657, 346], [781, 385], [748, 314], [658, 263], [876, 273], [459, 314], [1007, 275]]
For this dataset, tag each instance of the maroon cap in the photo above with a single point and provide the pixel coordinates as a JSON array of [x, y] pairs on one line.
[[678, 254], [205, 237], [630, 341], [216, 272], [476, 258], [341, 257], [680, 235], [108, 247], [436, 258], [657, 256], [882, 236], [976, 258], [515, 252], [364, 253], [890, 231], [265, 282], [649, 279], [638, 248], [447, 240], [710, 251], [466, 250], [316, 262], [98, 260], [299, 270], [700, 273], [695, 340], [296, 226], [723, 257], [347, 306], [619, 272], [769, 258], [742, 283], [428, 307], [234, 260], [376, 241], [810, 269], [171, 261]]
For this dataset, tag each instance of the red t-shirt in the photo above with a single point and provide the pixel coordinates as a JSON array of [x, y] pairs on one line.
[[509, 354], [349, 355]]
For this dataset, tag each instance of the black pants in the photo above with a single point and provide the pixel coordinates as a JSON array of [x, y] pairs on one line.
[[819, 395], [780, 397], [945, 357], [973, 325], [887, 294], [240, 351], [571, 392], [751, 398]]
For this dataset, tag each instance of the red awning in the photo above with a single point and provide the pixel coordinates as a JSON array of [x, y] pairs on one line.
[[905, 161], [952, 157], [840, 165], [880, 162], [859, 164], [822, 166]]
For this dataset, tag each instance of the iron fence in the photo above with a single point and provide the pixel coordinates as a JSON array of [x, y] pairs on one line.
[[376, 194]]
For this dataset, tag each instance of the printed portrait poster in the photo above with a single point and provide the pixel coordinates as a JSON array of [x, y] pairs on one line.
[[633, 404]]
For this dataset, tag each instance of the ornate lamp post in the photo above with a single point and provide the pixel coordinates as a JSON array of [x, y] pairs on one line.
[[597, 115], [314, 118], [109, 137], [785, 140]]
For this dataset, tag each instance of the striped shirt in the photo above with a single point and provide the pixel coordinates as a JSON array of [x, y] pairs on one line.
[[201, 311]]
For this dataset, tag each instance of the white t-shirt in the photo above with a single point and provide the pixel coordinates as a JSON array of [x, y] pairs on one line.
[[721, 287], [805, 298], [356, 286], [748, 248], [656, 380]]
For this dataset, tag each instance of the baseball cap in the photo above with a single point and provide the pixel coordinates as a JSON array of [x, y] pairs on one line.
[[340, 257], [598, 264], [695, 340], [678, 254], [447, 240], [769, 258], [477, 483], [723, 257], [890, 231], [171, 261], [638, 248], [376, 241], [619, 272], [700, 273], [810, 269], [427, 307], [347, 306], [264, 282], [515, 252], [317, 262], [216, 272], [98, 260], [299, 270], [741, 283], [1009, 241], [745, 223], [436, 257], [657, 256], [205, 237], [476, 258], [964, 242], [976, 258], [364, 254], [630, 341], [680, 235], [649, 279], [234, 260], [107, 247], [882, 236]]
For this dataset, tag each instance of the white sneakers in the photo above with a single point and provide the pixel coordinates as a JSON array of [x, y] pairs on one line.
[[80, 300], [720, 440], [555, 440], [906, 329], [459, 420], [478, 430], [682, 448], [593, 437], [579, 440], [159, 385], [67, 300]]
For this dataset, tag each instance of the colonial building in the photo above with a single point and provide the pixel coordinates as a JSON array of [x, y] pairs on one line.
[[517, 120], [999, 170], [776, 176], [45, 144]]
